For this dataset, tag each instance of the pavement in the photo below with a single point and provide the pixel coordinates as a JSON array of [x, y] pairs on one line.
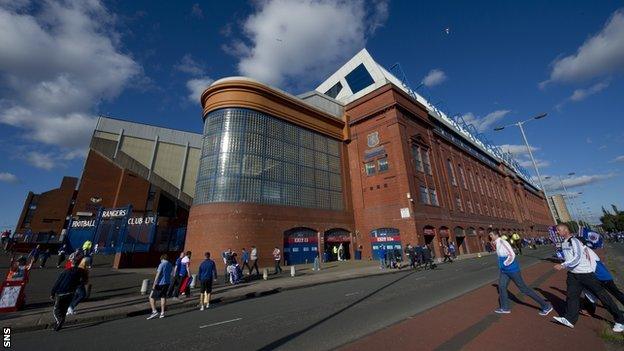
[[469, 323], [317, 317]]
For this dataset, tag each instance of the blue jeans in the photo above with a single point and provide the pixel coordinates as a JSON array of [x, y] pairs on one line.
[[80, 294], [516, 277]]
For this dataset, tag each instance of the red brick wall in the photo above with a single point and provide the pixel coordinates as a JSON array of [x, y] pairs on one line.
[[377, 199], [53, 207], [217, 227], [115, 186]]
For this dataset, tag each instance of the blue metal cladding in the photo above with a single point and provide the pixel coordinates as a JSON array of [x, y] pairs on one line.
[[359, 78], [249, 156], [300, 246], [385, 242]]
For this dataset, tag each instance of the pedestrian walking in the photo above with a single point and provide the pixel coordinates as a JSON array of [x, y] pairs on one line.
[[227, 257], [61, 255], [81, 290], [63, 292], [254, 259], [517, 242], [418, 255], [174, 288], [427, 257], [581, 276], [277, 257], [160, 288], [44, 258], [447, 254], [185, 272], [33, 256], [452, 250], [245, 260], [206, 274], [510, 270]]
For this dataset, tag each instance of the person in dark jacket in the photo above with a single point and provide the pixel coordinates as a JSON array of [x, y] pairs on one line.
[[63, 292]]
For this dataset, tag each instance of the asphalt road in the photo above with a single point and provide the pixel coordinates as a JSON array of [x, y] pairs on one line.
[[316, 318]]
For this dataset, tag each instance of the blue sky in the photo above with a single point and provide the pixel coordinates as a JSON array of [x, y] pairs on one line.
[[63, 63]]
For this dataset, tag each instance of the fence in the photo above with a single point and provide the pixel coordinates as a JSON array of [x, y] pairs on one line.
[[117, 230]]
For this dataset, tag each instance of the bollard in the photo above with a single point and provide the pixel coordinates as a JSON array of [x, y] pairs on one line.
[[144, 286], [193, 281], [479, 255], [292, 271], [317, 265], [265, 274]]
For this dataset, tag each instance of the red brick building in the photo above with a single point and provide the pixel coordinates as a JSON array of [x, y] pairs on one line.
[[48, 212], [362, 161]]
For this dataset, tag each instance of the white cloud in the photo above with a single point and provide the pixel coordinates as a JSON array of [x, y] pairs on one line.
[[554, 184], [619, 159], [484, 123], [379, 16], [297, 41], [196, 11], [600, 55], [188, 65], [581, 94], [434, 77], [527, 163], [8, 177], [40, 160], [56, 64], [517, 149], [196, 87]]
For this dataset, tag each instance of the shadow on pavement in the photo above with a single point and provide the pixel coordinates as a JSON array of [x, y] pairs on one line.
[[277, 343]]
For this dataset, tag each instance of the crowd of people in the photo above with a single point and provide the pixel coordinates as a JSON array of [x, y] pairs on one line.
[[586, 277]]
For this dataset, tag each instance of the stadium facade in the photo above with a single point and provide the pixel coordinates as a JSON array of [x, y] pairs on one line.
[[361, 161]]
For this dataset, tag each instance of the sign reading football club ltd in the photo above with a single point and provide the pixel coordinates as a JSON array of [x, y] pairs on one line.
[[372, 139]]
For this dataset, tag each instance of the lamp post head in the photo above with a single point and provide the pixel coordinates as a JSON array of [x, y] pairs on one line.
[[498, 129], [571, 173], [540, 116]]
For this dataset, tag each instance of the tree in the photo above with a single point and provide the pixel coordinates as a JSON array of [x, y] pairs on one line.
[[612, 222]]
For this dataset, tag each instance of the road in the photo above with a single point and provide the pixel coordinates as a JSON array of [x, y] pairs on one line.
[[316, 318]]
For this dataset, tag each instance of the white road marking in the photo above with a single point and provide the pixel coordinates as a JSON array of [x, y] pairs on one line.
[[353, 293], [219, 323]]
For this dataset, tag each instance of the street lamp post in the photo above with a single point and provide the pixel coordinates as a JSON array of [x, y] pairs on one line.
[[526, 142]]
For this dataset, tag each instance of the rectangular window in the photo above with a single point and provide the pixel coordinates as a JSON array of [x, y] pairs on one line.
[[451, 172], [487, 188], [434, 197], [460, 206], [370, 168], [359, 78], [463, 177], [416, 154], [469, 205], [426, 162], [480, 184], [424, 195], [494, 190], [382, 164], [479, 208], [472, 182]]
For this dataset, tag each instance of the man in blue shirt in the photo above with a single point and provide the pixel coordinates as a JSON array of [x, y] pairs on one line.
[[207, 272], [245, 259], [160, 287], [174, 288]]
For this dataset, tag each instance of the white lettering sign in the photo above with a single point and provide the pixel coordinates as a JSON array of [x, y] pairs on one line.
[[142, 220], [83, 223], [114, 213]]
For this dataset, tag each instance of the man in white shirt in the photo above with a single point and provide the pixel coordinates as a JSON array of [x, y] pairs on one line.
[[581, 276]]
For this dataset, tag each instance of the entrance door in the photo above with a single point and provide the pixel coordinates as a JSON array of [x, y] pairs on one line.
[[300, 246], [337, 245], [386, 242]]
